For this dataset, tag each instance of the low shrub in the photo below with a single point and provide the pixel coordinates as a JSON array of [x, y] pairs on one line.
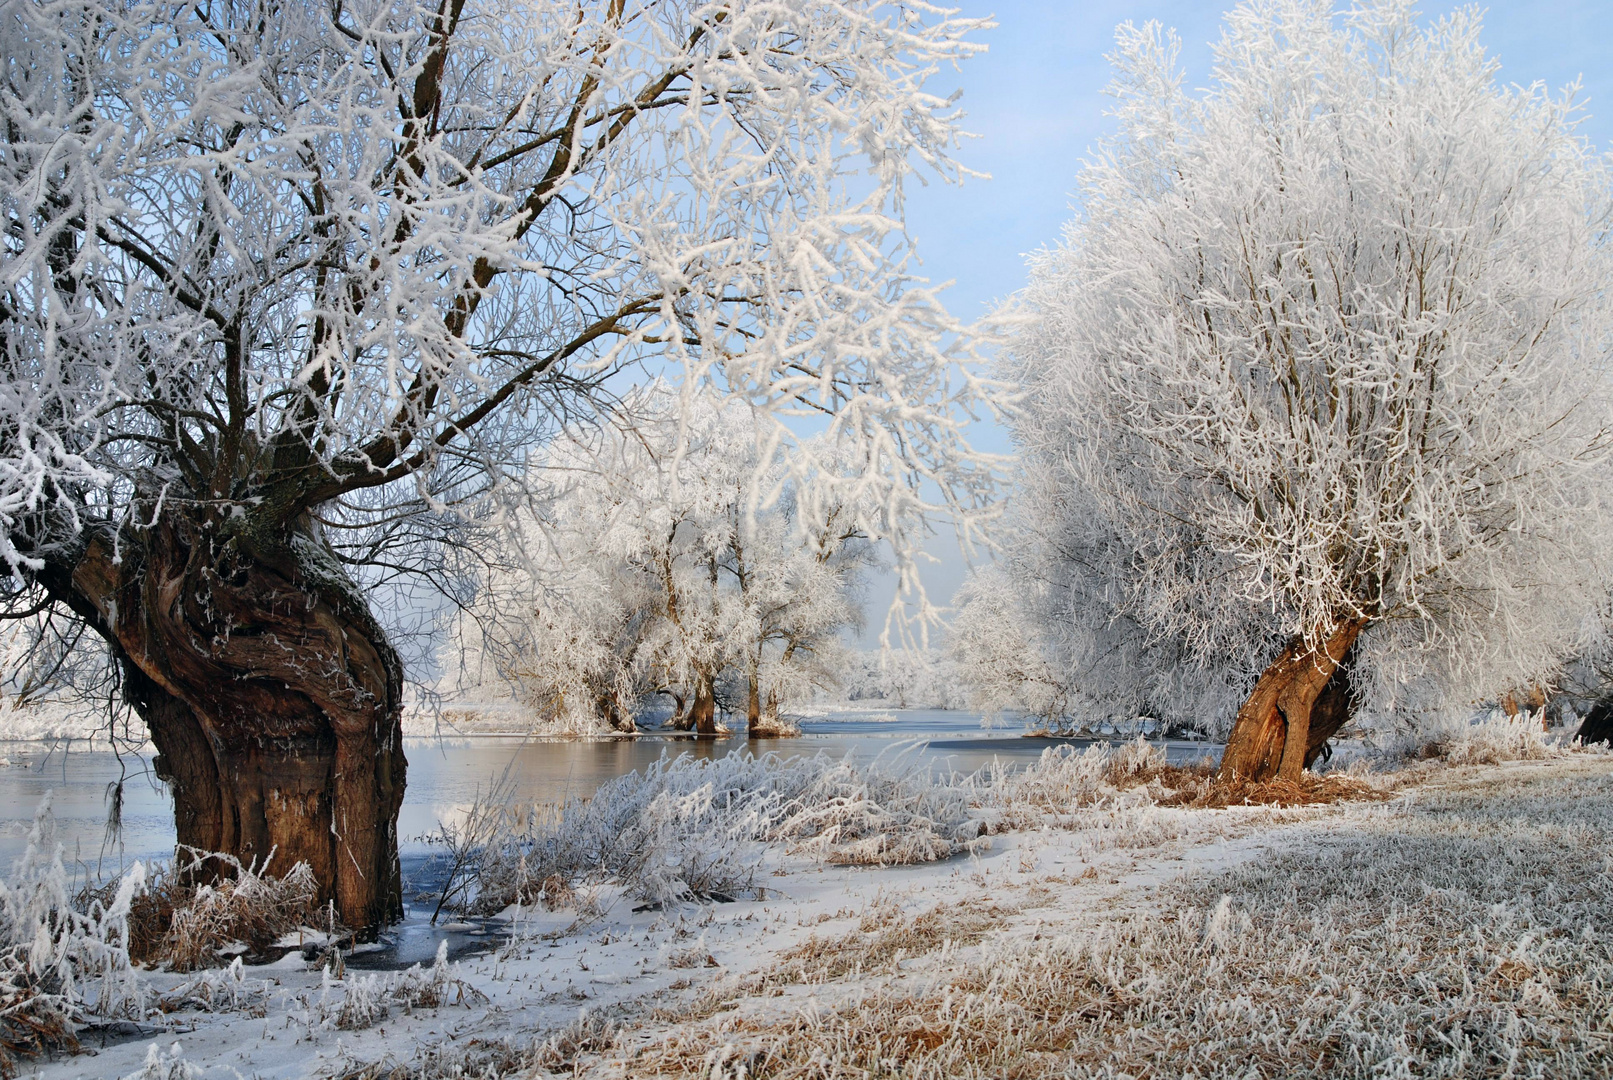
[[369, 999], [1491, 739], [687, 828]]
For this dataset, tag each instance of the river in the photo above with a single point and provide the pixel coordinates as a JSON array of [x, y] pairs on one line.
[[445, 774]]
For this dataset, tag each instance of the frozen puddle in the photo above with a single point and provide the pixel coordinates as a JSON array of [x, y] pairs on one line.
[[416, 941]]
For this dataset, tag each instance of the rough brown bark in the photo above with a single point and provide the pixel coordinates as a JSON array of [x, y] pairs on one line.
[[703, 710], [753, 704], [272, 697], [1330, 712], [1271, 736]]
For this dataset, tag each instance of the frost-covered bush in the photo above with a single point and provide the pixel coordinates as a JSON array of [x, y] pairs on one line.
[[169, 1064], [222, 990], [687, 828], [886, 814], [1065, 779], [1487, 739], [60, 966], [681, 828]]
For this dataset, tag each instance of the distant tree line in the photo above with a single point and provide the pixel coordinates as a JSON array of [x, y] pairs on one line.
[[668, 560]]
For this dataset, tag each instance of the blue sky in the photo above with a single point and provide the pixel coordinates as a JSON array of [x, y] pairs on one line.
[[1036, 101]]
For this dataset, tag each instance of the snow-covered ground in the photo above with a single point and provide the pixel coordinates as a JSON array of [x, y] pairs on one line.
[[1460, 928]]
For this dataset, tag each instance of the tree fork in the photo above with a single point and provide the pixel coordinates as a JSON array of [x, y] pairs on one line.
[[1271, 736]]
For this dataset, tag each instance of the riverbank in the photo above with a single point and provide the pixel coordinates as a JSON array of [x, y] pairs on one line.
[[89, 725], [1455, 921], [447, 774]]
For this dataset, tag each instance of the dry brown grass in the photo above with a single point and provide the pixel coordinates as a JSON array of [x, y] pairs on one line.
[[1197, 788], [885, 937], [1064, 783], [31, 1024], [474, 1058], [1465, 935], [186, 925]]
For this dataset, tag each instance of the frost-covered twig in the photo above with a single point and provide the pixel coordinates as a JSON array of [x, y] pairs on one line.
[[61, 967]]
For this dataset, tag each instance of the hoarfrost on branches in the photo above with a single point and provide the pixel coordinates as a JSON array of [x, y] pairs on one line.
[[283, 293], [671, 554], [355, 260], [1326, 349]]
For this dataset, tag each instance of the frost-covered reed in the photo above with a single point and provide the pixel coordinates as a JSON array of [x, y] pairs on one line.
[[60, 966], [690, 828]]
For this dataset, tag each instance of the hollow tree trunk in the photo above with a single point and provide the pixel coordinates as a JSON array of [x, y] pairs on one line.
[[273, 699], [1271, 736]]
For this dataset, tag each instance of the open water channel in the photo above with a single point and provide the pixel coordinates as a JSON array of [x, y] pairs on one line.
[[445, 774]]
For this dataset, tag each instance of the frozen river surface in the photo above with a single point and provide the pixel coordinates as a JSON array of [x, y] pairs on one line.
[[445, 774]]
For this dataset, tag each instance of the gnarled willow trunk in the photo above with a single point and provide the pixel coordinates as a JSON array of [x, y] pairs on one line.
[[272, 696], [608, 709], [1330, 712], [703, 710], [1271, 737]]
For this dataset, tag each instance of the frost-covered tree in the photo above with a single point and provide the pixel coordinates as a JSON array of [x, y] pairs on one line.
[[996, 645], [1045, 630], [672, 555], [798, 570], [1326, 356], [283, 283]]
